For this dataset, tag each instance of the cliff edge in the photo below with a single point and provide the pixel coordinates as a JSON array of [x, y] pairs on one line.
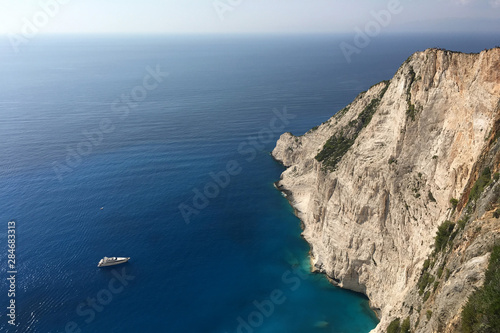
[[373, 184]]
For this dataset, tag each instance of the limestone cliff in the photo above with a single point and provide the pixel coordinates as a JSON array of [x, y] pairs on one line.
[[372, 184]]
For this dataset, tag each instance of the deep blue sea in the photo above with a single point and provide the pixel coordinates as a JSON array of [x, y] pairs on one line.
[[102, 153]]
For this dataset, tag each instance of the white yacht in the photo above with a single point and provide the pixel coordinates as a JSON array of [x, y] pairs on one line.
[[112, 261]]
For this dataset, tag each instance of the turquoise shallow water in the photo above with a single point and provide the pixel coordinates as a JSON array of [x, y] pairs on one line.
[[240, 265]]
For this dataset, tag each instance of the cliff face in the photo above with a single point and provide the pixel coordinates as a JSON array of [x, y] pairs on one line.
[[373, 183]]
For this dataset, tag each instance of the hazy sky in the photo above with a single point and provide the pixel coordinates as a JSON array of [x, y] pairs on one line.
[[237, 16]]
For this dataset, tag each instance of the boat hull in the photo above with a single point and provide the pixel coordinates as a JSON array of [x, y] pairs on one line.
[[118, 261]]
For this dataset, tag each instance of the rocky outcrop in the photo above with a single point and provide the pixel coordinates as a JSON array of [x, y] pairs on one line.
[[372, 184]]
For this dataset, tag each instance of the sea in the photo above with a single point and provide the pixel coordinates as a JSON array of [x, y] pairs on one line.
[[158, 148]]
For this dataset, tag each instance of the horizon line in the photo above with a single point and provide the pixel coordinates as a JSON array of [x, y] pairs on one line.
[[276, 33]]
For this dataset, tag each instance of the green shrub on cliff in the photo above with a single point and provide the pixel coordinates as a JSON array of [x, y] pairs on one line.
[[483, 181], [482, 311], [411, 111], [461, 224], [427, 263], [440, 272], [425, 280], [336, 147], [454, 202], [333, 150], [428, 314], [405, 327], [394, 326], [443, 235]]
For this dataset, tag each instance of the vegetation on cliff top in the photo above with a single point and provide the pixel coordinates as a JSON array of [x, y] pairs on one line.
[[411, 111], [336, 147]]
